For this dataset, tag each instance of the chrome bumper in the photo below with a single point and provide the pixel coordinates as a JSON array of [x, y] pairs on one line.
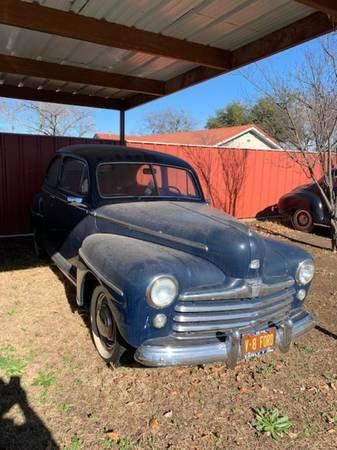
[[170, 351]]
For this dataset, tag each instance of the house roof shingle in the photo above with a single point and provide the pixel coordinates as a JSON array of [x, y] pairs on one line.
[[209, 137]]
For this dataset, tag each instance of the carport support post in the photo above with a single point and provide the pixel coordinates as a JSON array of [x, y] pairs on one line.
[[122, 127]]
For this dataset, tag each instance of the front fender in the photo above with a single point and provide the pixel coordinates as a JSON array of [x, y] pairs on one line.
[[126, 266], [303, 200]]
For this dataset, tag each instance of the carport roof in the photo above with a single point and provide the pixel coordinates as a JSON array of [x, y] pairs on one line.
[[119, 54]]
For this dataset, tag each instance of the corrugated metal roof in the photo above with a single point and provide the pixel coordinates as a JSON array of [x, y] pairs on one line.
[[227, 24]]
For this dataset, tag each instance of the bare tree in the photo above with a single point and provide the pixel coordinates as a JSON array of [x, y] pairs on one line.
[[307, 100], [204, 163], [48, 119], [52, 119], [10, 112], [169, 120], [233, 163], [222, 173]]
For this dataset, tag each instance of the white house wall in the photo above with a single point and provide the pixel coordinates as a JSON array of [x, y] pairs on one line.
[[247, 140]]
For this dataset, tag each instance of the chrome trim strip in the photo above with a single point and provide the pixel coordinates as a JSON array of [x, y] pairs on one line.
[[100, 276], [249, 289], [168, 351], [158, 234], [222, 326], [229, 316], [221, 306]]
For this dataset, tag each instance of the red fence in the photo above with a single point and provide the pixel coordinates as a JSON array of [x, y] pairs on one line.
[[243, 182]]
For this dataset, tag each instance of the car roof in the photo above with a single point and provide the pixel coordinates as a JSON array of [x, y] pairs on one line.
[[98, 153]]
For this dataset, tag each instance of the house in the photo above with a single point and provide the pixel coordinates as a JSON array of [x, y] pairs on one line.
[[243, 136]]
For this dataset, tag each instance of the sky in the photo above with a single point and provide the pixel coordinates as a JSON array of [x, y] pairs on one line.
[[202, 100]]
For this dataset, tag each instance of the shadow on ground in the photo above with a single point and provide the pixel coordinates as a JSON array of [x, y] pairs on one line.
[[270, 221], [32, 433], [18, 254]]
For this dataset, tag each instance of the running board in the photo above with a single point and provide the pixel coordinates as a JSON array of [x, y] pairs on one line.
[[64, 266]]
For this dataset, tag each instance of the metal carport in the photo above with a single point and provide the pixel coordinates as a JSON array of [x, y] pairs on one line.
[[118, 54]]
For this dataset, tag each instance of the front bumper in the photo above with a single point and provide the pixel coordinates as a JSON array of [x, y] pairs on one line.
[[171, 351]]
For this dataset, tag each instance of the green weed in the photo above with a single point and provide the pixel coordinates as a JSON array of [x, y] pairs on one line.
[[308, 349], [264, 370], [310, 431], [65, 407], [14, 308], [75, 444], [271, 422]]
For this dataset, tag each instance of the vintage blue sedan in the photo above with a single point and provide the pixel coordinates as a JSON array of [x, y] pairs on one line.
[[166, 277]]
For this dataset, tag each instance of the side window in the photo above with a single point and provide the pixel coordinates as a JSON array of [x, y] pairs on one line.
[[74, 176], [51, 177]]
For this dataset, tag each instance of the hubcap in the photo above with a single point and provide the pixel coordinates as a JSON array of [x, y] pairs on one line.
[[104, 322], [303, 219]]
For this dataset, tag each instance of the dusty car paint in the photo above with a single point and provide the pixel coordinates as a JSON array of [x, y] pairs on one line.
[[125, 243]]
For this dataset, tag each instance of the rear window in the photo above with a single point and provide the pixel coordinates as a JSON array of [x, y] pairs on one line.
[[74, 176]]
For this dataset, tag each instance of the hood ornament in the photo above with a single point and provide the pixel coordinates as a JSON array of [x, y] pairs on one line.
[[255, 289], [254, 264]]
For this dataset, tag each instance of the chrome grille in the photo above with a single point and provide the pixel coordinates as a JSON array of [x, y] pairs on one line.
[[215, 314]]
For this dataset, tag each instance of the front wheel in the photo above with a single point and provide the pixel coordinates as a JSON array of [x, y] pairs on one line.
[[302, 220], [105, 334]]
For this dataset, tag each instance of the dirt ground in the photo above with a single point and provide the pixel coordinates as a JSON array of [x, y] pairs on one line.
[[55, 392]]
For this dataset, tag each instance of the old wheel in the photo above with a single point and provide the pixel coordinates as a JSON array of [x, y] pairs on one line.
[[302, 220], [104, 330]]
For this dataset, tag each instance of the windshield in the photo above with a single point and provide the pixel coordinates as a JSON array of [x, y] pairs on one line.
[[145, 180]]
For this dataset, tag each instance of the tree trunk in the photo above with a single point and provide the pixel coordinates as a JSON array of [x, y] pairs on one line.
[[333, 235]]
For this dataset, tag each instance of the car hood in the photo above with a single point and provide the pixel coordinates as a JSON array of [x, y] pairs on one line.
[[195, 228]]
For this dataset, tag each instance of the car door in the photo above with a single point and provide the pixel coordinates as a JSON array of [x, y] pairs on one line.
[[69, 205], [44, 202]]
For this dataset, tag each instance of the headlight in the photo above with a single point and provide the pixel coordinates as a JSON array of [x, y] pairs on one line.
[[162, 291], [305, 271]]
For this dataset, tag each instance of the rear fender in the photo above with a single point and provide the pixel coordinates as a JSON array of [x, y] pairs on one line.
[[303, 200]]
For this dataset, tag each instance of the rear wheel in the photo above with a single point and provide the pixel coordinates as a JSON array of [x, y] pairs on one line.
[[106, 337], [302, 220]]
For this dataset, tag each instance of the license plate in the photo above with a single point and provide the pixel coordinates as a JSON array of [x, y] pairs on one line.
[[257, 343]]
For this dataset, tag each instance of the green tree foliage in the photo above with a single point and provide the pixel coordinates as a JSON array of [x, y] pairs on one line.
[[264, 113], [270, 118], [233, 114]]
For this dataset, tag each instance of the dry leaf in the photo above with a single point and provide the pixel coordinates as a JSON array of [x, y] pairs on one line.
[[154, 424], [168, 414], [292, 435], [112, 435]]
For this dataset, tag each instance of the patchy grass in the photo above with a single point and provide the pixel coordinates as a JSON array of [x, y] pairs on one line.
[[308, 349], [14, 309], [65, 407], [265, 369], [75, 396], [9, 363], [44, 379], [75, 444]]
